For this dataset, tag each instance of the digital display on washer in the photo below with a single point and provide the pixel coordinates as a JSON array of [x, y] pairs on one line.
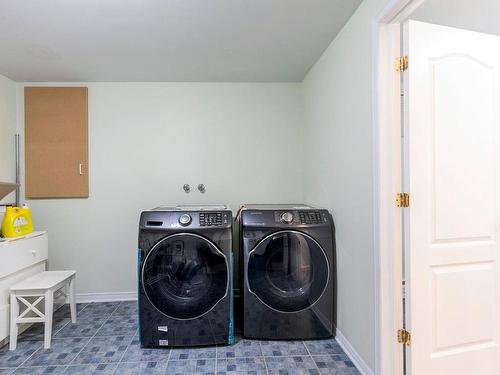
[[210, 218]]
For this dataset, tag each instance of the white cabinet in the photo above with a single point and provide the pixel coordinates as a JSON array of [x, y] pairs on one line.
[[20, 258]]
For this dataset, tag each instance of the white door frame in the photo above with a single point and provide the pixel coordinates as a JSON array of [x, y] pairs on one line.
[[387, 182]]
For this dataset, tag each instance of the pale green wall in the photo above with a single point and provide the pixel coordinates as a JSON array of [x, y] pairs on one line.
[[338, 173], [145, 141]]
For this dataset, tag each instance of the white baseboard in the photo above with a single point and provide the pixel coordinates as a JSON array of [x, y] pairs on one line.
[[106, 297], [353, 354]]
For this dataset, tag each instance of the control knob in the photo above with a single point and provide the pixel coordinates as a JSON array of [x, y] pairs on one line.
[[287, 217], [184, 219]]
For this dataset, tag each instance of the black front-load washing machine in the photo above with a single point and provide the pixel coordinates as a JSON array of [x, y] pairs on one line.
[[288, 272], [185, 276]]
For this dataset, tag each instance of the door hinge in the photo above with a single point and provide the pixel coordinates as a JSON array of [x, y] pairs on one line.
[[403, 200], [401, 63], [404, 337]]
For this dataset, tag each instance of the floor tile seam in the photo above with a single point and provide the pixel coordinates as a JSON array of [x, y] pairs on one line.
[[110, 313], [180, 360], [42, 348], [208, 359], [90, 339], [125, 351], [77, 312], [286, 356], [116, 308], [59, 330], [158, 361], [168, 359], [243, 356], [22, 363], [130, 343], [217, 358], [216, 351], [32, 354], [118, 363], [83, 308], [42, 366], [265, 362], [169, 353], [88, 342], [115, 314], [114, 335], [312, 359], [91, 364]]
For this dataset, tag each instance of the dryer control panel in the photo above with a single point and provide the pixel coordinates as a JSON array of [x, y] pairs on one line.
[[285, 218]]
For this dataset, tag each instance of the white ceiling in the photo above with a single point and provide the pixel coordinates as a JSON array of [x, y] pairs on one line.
[[475, 15], [166, 40]]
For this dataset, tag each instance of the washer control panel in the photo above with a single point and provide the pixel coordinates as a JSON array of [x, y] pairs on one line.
[[187, 219], [310, 217], [212, 219]]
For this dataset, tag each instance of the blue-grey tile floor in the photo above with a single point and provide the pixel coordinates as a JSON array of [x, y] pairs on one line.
[[105, 341]]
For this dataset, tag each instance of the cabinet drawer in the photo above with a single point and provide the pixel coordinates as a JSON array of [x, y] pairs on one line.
[[22, 253]]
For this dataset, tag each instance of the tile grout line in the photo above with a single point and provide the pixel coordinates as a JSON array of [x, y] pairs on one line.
[[77, 312], [216, 354], [120, 361], [312, 359], [90, 339], [27, 359], [264, 358], [125, 351], [56, 332], [60, 329], [168, 359], [84, 346], [254, 356]]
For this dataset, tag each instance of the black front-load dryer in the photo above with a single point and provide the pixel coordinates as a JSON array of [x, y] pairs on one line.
[[185, 276], [288, 272]]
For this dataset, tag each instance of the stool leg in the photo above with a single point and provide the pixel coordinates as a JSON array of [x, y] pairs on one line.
[[14, 313], [49, 309], [72, 302]]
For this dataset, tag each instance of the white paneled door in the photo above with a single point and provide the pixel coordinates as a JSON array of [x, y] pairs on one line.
[[452, 132]]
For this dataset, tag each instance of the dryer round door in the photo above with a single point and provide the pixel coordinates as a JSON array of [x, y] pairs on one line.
[[288, 271], [185, 276]]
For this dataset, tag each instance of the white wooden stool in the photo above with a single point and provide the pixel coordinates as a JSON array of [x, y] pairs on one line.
[[42, 285]]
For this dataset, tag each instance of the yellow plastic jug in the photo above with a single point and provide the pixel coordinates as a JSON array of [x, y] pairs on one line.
[[17, 221]]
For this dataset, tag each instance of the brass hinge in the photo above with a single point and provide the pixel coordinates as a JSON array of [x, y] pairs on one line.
[[404, 337], [401, 63], [403, 200]]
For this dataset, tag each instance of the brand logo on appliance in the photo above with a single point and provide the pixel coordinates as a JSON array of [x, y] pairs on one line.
[[163, 328]]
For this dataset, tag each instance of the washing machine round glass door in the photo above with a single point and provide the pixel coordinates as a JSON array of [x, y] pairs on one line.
[[185, 276], [288, 271]]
